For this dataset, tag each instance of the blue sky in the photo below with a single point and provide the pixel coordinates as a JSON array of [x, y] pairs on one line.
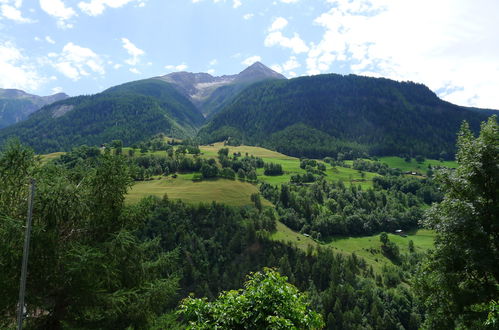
[[86, 46]]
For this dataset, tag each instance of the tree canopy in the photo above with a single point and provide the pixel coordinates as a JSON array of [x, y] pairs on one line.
[[461, 276], [266, 302]]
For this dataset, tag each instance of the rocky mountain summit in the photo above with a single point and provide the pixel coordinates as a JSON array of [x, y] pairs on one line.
[[207, 92]]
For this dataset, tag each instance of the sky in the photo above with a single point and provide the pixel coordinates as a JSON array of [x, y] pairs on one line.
[[86, 46]]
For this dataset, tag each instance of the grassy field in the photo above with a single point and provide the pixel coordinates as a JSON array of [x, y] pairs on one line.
[[400, 163], [290, 165], [235, 193], [48, 157], [368, 247]]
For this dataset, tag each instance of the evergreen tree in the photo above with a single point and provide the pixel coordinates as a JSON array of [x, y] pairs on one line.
[[461, 275]]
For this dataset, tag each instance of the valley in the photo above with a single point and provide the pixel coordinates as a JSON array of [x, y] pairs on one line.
[[156, 192]]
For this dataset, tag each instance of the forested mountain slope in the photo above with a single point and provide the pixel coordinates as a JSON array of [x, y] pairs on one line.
[[17, 105], [130, 112], [322, 115]]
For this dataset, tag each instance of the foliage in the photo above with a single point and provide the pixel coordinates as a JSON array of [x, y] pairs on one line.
[[330, 208], [87, 268], [461, 274], [266, 302]]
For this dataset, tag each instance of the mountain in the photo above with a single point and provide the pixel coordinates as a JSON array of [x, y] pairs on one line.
[[324, 115], [16, 105], [209, 94], [130, 112]]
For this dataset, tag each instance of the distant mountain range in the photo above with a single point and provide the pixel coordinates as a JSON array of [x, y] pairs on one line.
[[315, 116], [17, 105]]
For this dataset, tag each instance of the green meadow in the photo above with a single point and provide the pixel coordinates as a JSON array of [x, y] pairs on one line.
[[230, 192], [367, 247], [413, 166]]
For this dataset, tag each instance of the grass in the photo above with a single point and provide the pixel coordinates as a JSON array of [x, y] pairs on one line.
[[367, 247], [285, 234], [48, 157], [235, 193], [212, 151], [290, 166], [413, 166]]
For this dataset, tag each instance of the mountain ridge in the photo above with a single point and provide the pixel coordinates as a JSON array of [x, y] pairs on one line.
[[339, 114], [16, 105], [201, 88]]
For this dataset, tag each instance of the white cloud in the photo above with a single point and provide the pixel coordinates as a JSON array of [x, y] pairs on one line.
[[10, 10], [276, 68], [449, 45], [133, 51], [49, 40], [179, 67], [117, 66], [289, 1], [134, 70], [211, 71], [291, 64], [75, 61], [56, 90], [97, 7], [248, 16], [250, 60], [213, 62], [278, 24], [58, 9], [17, 72], [236, 3], [295, 43]]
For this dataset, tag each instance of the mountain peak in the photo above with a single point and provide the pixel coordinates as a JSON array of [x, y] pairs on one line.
[[258, 71]]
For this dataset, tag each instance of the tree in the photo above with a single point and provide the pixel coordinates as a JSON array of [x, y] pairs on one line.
[[461, 276], [86, 267], [266, 302]]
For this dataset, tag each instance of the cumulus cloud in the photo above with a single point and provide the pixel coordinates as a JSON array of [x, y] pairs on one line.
[[250, 60], [179, 67], [295, 43], [213, 62], [276, 38], [17, 72], [450, 45], [133, 51], [58, 9], [134, 70], [97, 7], [75, 61], [10, 9], [278, 24], [287, 67], [289, 1], [248, 16], [291, 64]]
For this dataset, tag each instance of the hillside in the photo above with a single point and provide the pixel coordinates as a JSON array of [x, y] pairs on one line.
[[210, 93], [17, 105], [130, 112], [323, 115]]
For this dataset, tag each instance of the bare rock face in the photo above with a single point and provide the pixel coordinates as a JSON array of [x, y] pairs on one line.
[[201, 88]]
